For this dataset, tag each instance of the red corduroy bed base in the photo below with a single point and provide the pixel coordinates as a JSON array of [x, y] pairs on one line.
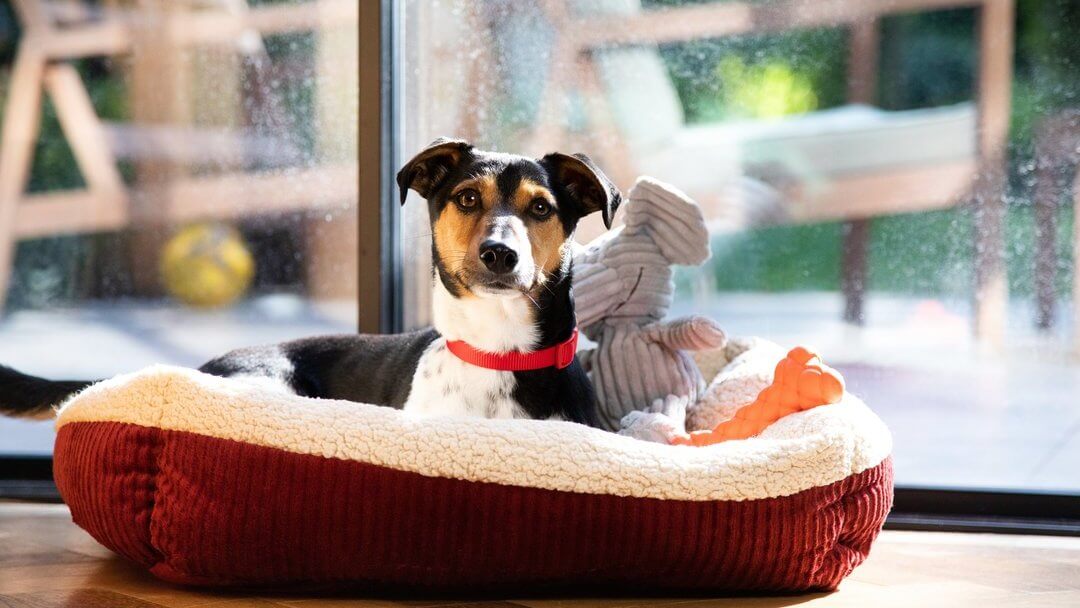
[[205, 511]]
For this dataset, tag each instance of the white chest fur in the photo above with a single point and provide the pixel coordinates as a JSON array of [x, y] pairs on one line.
[[446, 385]]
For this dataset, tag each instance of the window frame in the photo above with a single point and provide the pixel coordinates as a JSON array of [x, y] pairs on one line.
[[379, 218], [27, 478]]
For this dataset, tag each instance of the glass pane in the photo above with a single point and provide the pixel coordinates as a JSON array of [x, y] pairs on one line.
[[186, 194], [860, 180]]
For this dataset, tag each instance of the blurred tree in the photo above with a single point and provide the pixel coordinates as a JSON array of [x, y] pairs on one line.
[[812, 60], [9, 32], [927, 59]]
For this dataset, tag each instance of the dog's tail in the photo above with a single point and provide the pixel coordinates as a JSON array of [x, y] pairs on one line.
[[25, 396]]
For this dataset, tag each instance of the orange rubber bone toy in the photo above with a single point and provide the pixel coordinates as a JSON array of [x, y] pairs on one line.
[[801, 382]]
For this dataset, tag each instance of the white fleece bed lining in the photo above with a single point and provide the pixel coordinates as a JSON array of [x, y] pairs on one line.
[[810, 449]]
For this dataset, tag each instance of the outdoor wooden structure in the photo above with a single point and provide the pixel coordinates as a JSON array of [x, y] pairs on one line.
[[1057, 158], [56, 32], [854, 199]]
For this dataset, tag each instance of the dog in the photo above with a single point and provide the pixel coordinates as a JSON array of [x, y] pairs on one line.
[[504, 333]]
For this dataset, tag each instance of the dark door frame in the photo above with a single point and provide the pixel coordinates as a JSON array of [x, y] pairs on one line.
[[379, 218]]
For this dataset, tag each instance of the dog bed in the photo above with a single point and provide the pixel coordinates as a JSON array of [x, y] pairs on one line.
[[208, 481]]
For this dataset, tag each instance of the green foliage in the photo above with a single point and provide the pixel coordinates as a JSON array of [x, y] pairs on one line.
[[778, 258], [54, 165], [737, 76], [50, 270], [9, 32], [927, 59], [925, 254], [769, 90], [922, 253]]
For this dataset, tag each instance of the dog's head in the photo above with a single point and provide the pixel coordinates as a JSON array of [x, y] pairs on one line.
[[502, 224]]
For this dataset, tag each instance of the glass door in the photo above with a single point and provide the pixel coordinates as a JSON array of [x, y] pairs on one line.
[[894, 187]]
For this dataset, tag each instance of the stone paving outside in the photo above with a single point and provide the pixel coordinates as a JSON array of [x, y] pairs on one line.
[[960, 416]]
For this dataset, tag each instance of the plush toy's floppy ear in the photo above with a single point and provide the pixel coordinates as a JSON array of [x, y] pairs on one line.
[[672, 218], [584, 183], [430, 167]]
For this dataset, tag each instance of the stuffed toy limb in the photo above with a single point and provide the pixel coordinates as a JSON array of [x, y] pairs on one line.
[[647, 383], [623, 288], [687, 333], [662, 422]]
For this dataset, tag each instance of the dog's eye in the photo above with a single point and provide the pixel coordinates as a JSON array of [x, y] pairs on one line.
[[467, 199], [540, 208]]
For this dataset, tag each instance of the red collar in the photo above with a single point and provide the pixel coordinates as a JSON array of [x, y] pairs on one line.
[[558, 356]]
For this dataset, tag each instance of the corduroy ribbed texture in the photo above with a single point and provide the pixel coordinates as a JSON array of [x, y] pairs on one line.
[[623, 288], [206, 511]]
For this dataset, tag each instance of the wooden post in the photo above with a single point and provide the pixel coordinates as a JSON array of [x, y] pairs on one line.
[[1048, 190], [159, 80], [1076, 264], [331, 239], [83, 129], [22, 119], [481, 70], [863, 54], [549, 130], [853, 273], [995, 88]]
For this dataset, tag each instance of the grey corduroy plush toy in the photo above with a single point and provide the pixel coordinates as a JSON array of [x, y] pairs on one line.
[[622, 290]]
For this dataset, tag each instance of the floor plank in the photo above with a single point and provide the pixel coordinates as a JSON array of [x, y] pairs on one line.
[[48, 562]]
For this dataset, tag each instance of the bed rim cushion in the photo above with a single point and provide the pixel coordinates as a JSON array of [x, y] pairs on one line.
[[806, 450]]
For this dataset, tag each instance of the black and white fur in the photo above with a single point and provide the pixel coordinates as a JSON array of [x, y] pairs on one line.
[[524, 308]]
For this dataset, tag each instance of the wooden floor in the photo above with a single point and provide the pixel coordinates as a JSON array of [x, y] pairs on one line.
[[47, 562]]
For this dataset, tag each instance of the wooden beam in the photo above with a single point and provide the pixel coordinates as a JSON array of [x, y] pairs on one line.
[[250, 194], [33, 14], [996, 24], [715, 20], [892, 192], [199, 145], [863, 51], [82, 128], [216, 27], [70, 212], [189, 199], [114, 36], [95, 39]]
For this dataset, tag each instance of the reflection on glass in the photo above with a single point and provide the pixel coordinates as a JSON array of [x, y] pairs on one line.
[[893, 188], [189, 188]]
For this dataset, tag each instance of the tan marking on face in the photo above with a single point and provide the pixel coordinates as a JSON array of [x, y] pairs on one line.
[[546, 237], [457, 233]]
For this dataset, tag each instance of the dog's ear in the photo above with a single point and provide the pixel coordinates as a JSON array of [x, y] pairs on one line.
[[584, 183], [427, 170]]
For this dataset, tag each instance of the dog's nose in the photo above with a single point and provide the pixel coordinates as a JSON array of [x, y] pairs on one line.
[[498, 257]]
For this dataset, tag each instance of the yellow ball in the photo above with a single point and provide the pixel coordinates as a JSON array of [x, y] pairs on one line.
[[207, 265]]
